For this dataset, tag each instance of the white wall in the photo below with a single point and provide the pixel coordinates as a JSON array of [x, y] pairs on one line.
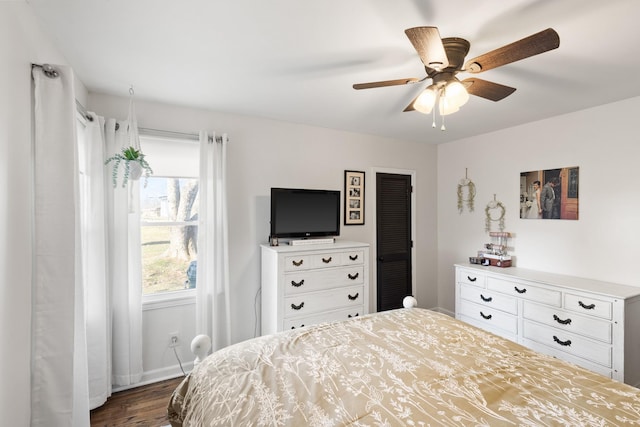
[[21, 43], [160, 362], [601, 245], [265, 153]]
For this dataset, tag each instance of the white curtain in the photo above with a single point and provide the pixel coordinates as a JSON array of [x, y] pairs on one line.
[[97, 299], [213, 311], [125, 266], [87, 311], [111, 261], [59, 385]]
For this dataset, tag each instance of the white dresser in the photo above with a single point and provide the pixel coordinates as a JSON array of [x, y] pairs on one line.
[[591, 323], [307, 284]]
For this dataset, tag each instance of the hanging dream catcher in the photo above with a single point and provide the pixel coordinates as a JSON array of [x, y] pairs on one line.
[[466, 193], [494, 217]]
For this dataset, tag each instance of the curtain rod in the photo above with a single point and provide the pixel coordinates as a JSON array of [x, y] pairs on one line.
[[191, 136], [52, 73], [83, 111]]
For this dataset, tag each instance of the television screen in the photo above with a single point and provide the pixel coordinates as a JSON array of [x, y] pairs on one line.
[[304, 213]]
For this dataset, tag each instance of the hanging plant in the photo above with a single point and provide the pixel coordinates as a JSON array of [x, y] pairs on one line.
[[134, 165], [134, 161], [494, 204]]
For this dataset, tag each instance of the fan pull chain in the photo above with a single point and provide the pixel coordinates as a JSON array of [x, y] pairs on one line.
[[433, 124], [442, 128]]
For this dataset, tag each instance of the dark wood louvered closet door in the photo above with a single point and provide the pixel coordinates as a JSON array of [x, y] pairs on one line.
[[393, 245]]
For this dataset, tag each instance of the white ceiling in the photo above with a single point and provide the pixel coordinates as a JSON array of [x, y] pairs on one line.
[[296, 60]]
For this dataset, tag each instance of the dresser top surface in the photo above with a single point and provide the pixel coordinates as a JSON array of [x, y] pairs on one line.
[[337, 245], [601, 287]]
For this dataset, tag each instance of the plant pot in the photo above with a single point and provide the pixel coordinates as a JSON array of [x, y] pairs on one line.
[[135, 170]]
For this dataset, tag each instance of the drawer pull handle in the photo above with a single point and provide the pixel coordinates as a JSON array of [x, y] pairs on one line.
[[297, 307], [298, 284], [586, 307], [297, 263], [354, 297], [486, 316], [353, 276], [520, 291], [353, 258], [355, 315], [486, 299], [301, 326], [562, 322], [327, 260], [472, 279], [564, 343]]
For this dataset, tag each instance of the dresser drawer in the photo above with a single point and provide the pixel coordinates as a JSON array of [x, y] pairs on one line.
[[574, 344], [328, 316], [569, 321], [326, 260], [489, 298], [525, 291], [483, 315], [594, 367], [297, 262], [353, 258], [323, 260], [315, 280], [587, 305], [471, 277], [313, 302]]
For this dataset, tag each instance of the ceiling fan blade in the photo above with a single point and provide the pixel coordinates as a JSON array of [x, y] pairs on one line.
[[428, 44], [529, 46], [410, 106], [386, 83], [486, 89]]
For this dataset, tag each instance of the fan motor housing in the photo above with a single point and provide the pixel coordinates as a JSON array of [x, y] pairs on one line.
[[456, 48]]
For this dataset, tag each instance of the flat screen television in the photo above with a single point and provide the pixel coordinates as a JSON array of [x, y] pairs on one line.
[[303, 213]]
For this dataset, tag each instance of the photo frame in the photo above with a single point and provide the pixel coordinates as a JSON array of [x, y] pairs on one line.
[[353, 197], [550, 194]]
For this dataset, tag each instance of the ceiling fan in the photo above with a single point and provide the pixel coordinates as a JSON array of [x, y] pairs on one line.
[[443, 58]]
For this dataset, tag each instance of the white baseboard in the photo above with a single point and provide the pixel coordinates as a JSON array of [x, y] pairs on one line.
[[157, 375]]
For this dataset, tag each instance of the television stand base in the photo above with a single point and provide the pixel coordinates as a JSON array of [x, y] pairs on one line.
[[297, 242]]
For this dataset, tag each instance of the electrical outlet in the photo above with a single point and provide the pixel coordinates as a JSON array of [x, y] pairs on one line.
[[174, 340]]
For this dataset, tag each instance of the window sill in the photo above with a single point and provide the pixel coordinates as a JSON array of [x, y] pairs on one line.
[[168, 299]]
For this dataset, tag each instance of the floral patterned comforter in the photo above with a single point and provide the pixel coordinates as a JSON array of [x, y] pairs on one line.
[[406, 367]]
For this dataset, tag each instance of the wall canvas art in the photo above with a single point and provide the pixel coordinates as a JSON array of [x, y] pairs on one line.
[[550, 194]]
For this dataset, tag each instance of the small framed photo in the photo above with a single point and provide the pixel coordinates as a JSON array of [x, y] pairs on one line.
[[353, 198]]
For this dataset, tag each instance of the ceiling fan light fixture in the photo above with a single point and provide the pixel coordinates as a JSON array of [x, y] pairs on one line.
[[427, 99], [446, 105], [456, 93]]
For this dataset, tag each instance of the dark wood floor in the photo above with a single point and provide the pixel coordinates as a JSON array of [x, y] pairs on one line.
[[144, 406]]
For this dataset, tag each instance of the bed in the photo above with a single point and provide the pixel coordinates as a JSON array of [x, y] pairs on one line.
[[405, 367]]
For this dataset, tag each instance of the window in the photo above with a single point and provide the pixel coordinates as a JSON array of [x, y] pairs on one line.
[[169, 234], [169, 217]]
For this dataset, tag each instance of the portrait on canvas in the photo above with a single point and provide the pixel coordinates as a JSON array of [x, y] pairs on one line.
[[549, 194]]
